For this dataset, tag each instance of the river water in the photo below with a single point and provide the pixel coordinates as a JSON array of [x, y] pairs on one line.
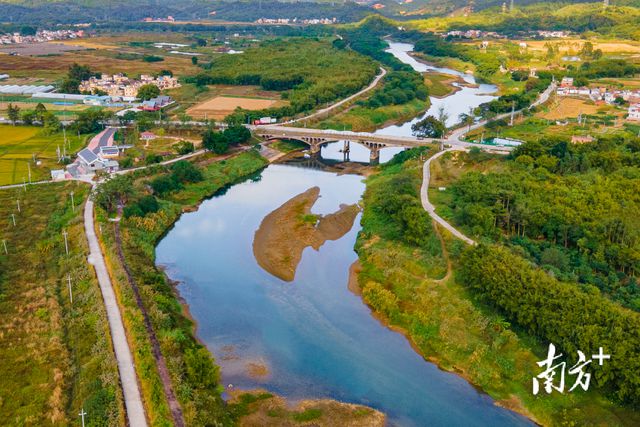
[[312, 337]]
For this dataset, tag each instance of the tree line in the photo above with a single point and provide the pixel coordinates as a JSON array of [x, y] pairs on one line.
[[559, 313], [572, 209]]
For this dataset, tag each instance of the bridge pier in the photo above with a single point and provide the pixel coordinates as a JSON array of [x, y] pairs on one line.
[[374, 155], [314, 149], [346, 149]]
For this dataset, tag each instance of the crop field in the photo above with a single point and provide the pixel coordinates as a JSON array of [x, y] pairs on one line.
[[18, 145], [56, 354], [221, 106]]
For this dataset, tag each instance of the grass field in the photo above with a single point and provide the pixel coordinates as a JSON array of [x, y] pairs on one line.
[[440, 85], [361, 119], [18, 145], [56, 356]]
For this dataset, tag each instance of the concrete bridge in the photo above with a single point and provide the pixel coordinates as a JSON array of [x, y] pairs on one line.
[[314, 138]]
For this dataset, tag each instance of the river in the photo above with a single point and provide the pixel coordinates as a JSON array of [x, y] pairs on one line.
[[312, 337]]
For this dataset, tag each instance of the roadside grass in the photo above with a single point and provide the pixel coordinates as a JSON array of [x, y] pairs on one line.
[[535, 128], [19, 144], [449, 327], [56, 356], [360, 118], [193, 372]]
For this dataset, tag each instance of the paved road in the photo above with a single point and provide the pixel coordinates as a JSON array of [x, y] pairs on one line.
[[132, 398], [428, 206]]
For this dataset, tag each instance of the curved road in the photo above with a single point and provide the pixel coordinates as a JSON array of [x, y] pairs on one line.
[[132, 398], [428, 206]]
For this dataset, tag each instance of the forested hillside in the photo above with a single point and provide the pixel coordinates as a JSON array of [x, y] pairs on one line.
[[68, 11], [572, 209]]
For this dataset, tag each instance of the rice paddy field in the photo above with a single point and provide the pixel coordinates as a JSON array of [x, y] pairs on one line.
[[20, 145]]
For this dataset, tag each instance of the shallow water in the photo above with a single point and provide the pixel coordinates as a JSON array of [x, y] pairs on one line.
[[316, 338]]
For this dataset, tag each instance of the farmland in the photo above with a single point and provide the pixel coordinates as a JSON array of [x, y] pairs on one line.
[[19, 145], [221, 106], [56, 356]]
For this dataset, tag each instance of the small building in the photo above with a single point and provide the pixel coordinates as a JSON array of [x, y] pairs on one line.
[[634, 112], [148, 136], [58, 175], [109, 152], [566, 82], [582, 139]]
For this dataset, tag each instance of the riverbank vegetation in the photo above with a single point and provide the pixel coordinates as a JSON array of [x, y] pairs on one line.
[[56, 354], [194, 376], [407, 284]]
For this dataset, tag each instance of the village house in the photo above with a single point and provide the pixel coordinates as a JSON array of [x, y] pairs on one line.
[[634, 112], [121, 86]]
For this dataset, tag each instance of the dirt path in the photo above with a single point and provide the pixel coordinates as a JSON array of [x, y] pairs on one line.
[[163, 371]]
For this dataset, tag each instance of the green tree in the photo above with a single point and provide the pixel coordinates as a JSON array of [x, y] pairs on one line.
[[215, 142], [194, 60], [148, 91], [429, 127], [113, 192], [184, 171], [51, 123], [79, 72], [91, 120], [40, 111], [13, 112], [28, 117], [237, 134], [70, 86]]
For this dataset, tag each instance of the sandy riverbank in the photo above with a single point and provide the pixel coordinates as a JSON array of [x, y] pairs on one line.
[[275, 411], [285, 233]]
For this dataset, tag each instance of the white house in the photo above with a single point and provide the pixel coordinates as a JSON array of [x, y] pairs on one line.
[[634, 112]]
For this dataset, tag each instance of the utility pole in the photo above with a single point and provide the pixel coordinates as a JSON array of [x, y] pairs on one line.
[[13, 217], [513, 110], [4, 243], [82, 414], [18, 202], [70, 292], [73, 206], [66, 243], [29, 168]]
